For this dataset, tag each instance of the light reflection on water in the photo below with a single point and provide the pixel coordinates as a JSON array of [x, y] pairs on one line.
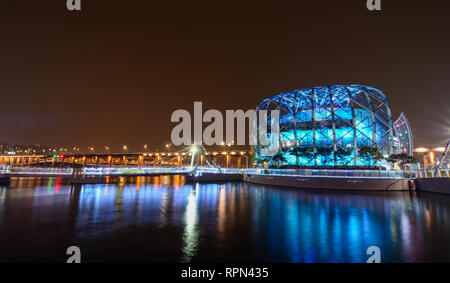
[[190, 236], [162, 219]]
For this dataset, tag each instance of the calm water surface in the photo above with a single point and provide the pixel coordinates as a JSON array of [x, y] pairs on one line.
[[162, 219]]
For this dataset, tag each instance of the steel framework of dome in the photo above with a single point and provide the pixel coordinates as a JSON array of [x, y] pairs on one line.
[[339, 119]]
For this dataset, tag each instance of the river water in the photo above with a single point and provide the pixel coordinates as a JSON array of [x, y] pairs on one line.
[[163, 219]]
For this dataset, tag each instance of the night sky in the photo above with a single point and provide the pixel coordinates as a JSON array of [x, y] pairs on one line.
[[113, 73]]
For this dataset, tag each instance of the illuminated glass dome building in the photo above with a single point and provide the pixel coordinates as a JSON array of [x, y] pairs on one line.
[[325, 126]]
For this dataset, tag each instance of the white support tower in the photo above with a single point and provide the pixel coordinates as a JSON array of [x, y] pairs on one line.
[[441, 161]]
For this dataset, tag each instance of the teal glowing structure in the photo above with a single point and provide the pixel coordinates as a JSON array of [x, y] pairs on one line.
[[325, 126]]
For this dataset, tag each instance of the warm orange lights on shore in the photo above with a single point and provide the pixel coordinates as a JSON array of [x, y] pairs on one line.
[[427, 149]]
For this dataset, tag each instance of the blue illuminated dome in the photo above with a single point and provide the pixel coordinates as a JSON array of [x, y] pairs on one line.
[[330, 123]]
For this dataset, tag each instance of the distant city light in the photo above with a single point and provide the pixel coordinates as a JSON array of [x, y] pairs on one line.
[[425, 149]]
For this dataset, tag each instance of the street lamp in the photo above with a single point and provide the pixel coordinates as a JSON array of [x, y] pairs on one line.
[[194, 149], [125, 148]]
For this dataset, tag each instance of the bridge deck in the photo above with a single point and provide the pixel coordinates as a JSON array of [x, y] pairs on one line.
[[150, 171]]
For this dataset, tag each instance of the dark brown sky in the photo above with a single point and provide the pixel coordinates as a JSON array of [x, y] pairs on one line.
[[114, 73]]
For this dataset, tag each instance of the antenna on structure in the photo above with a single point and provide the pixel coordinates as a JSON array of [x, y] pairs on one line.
[[441, 161], [197, 151]]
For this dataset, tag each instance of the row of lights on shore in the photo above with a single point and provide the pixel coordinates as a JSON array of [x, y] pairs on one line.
[[190, 153], [183, 154], [106, 148], [168, 146], [90, 149], [125, 147]]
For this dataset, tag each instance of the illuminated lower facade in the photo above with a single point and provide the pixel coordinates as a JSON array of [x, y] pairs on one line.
[[325, 126]]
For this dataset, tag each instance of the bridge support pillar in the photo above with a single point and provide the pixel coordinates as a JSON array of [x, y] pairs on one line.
[[124, 161]]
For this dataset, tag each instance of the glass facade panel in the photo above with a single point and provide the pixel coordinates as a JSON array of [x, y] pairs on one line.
[[404, 137]]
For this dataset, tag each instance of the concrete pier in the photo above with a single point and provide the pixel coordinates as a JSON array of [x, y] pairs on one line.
[[330, 183], [433, 185], [356, 180]]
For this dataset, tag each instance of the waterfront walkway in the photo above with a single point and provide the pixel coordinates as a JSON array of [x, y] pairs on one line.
[[19, 171], [361, 180]]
